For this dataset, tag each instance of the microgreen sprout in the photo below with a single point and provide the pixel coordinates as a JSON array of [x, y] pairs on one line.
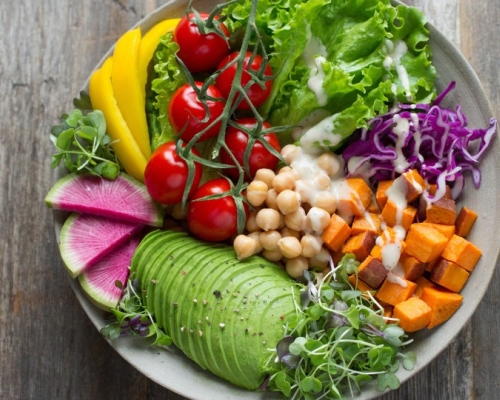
[[82, 143], [337, 341], [132, 317]]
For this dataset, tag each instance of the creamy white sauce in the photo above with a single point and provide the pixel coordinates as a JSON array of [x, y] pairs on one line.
[[401, 129], [417, 135], [322, 134], [394, 51], [314, 56], [308, 122], [315, 81]]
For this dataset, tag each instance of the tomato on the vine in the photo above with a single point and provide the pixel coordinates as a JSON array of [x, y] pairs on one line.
[[199, 52], [236, 140], [188, 116], [213, 220], [255, 92], [166, 175]]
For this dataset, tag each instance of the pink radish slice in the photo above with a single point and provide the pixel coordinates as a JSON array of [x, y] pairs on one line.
[[123, 199], [99, 281], [86, 239]]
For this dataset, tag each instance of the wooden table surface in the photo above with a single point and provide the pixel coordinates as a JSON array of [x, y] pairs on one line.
[[48, 347]]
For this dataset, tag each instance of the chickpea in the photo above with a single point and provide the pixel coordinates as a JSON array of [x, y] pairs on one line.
[[290, 247], [272, 255], [304, 189], [267, 219], [295, 266], [285, 169], [251, 225], [286, 231], [322, 181], [288, 201], [244, 246], [311, 245], [323, 256], [271, 199], [265, 175], [317, 219], [290, 152], [256, 236], [296, 219], [282, 222], [283, 181], [326, 201], [257, 193], [269, 240], [329, 163]]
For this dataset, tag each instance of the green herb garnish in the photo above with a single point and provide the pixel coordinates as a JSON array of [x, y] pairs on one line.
[[338, 340], [131, 316], [82, 143]]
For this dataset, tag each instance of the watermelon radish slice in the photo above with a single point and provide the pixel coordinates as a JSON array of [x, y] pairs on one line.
[[99, 281], [124, 198], [85, 239]]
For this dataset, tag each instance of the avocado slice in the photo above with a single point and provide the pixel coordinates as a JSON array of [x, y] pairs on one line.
[[224, 314]]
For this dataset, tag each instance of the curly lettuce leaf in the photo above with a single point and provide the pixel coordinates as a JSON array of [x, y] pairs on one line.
[[168, 76], [366, 54]]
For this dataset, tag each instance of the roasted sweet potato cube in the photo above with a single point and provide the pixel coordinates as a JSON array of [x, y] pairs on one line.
[[443, 211], [336, 233], [447, 230], [412, 184], [395, 292], [393, 215], [422, 283], [359, 284], [449, 275], [464, 222], [388, 311], [413, 314], [462, 252], [373, 206], [412, 267], [424, 242], [372, 272], [380, 194], [443, 303], [432, 189], [360, 245], [366, 222], [358, 199]]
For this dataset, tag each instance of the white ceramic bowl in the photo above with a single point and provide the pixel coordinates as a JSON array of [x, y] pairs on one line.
[[174, 371]]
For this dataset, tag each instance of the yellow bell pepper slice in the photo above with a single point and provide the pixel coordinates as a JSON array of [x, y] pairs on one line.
[[125, 146], [148, 45], [127, 88]]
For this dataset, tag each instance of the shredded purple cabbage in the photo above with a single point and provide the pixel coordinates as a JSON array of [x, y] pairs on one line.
[[430, 138]]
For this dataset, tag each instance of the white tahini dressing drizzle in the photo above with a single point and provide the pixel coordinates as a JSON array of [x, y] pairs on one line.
[[323, 134], [314, 56], [401, 129], [395, 50]]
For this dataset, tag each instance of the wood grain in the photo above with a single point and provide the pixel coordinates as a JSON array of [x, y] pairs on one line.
[[48, 347]]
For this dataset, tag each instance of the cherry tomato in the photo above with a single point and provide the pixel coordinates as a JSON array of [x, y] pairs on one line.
[[166, 175], [237, 141], [255, 92], [187, 113], [199, 52], [213, 220]]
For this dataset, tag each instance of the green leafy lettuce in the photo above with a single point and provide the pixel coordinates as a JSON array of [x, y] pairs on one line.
[[361, 75], [167, 78]]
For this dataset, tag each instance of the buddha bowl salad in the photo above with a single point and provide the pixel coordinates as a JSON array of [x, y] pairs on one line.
[[271, 187]]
